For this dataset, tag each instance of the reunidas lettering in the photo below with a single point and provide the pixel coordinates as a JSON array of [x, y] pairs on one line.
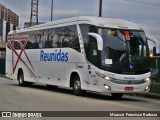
[[57, 56]]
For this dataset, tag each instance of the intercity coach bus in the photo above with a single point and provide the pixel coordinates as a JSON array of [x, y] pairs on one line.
[[85, 53]]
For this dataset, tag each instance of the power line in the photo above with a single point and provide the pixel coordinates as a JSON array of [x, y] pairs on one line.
[[143, 2]]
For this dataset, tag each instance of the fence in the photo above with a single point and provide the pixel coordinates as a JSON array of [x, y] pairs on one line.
[[155, 75]]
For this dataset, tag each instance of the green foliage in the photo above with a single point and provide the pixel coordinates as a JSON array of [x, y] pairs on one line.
[[155, 88]]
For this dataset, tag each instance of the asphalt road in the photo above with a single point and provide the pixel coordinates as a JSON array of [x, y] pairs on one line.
[[41, 98]]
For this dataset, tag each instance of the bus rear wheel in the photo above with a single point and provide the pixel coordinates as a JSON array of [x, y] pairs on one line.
[[77, 86], [21, 81], [117, 95]]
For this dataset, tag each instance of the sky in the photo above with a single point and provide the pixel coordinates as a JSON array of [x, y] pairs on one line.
[[146, 13]]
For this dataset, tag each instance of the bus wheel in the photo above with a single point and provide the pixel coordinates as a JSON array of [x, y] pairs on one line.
[[117, 95], [77, 86], [21, 79]]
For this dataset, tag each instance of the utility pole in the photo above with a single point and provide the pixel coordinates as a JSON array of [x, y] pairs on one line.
[[100, 8], [52, 11], [34, 13]]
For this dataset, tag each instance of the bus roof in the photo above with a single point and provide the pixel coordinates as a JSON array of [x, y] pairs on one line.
[[97, 21]]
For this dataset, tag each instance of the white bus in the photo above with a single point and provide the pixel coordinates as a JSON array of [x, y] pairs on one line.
[[85, 53]]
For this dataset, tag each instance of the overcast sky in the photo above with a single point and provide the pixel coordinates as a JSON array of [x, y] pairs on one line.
[[143, 12]]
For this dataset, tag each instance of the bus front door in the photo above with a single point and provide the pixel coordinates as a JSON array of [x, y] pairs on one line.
[[92, 55], [93, 78]]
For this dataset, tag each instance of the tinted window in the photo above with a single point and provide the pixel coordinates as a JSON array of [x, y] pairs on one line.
[[62, 37], [54, 38], [68, 37], [92, 51], [90, 43], [17, 45]]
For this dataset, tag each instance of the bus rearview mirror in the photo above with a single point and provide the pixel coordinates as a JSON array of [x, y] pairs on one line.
[[99, 40]]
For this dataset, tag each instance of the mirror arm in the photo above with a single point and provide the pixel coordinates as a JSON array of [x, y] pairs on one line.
[[99, 40]]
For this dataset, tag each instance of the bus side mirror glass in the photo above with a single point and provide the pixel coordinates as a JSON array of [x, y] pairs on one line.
[[99, 40]]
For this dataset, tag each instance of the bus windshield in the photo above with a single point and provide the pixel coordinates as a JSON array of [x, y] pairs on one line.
[[124, 51]]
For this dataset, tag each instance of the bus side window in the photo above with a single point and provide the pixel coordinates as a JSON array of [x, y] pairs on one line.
[[92, 50], [90, 43], [73, 39], [17, 45], [55, 42], [67, 37], [93, 29]]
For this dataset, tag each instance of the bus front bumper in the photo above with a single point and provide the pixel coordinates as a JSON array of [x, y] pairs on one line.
[[110, 87]]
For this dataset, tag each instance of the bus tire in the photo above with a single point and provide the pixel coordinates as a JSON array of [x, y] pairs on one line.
[[117, 95], [77, 86], [21, 81]]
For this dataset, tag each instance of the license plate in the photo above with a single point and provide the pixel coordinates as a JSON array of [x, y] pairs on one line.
[[129, 88]]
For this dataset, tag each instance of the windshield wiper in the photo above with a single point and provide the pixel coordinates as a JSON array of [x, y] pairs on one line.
[[127, 53], [126, 49]]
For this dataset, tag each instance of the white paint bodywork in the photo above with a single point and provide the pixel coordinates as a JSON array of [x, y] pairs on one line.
[[59, 73]]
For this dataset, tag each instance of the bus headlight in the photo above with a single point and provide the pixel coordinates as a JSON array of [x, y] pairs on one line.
[[147, 79], [104, 76], [107, 78], [107, 87], [147, 88]]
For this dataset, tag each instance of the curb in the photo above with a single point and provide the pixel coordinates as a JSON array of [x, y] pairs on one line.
[[149, 95], [3, 76]]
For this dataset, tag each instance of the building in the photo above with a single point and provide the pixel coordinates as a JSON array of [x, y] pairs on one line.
[[8, 21], [9, 16]]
